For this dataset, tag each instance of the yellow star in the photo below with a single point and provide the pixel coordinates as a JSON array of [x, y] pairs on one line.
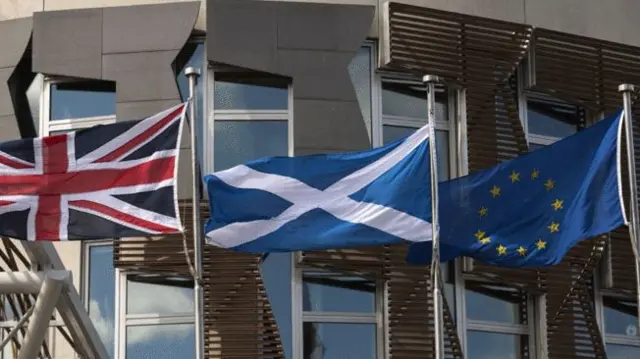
[[479, 234], [502, 250], [495, 191], [485, 240], [549, 184], [557, 204], [483, 211], [522, 251], [554, 227], [514, 176], [535, 174], [541, 244]]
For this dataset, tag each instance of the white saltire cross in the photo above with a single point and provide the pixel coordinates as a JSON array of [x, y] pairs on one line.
[[333, 200]]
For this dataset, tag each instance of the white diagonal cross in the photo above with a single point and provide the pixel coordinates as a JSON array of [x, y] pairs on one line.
[[333, 200]]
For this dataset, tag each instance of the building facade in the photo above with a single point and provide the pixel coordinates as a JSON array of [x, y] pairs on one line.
[[304, 77]]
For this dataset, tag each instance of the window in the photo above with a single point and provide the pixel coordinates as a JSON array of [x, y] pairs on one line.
[[74, 104], [619, 323], [498, 322], [546, 120], [155, 317], [404, 110], [340, 316], [100, 291]]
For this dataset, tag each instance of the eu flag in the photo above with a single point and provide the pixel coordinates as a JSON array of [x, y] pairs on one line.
[[530, 211]]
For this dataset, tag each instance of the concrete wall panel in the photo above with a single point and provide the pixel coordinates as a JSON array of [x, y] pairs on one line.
[[14, 39], [313, 46], [68, 43], [612, 20]]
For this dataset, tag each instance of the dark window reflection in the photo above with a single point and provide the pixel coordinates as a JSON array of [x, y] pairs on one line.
[[550, 118], [409, 100], [393, 133], [448, 276], [166, 341], [101, 294], [620, 317], [617, 351], [237, 142], [276, 275], [143, 293], [339, 340], [487, 302], [360, 72], [82, 99], [239, 90], [324, 292], [485, 345]]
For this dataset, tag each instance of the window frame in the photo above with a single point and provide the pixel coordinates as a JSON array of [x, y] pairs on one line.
[[124, 320], [299, 316], [46, 125]]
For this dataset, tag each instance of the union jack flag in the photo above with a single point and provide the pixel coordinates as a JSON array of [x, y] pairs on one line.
[[108, 181]]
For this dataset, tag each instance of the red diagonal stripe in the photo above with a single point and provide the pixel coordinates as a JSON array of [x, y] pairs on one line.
[[6, 203], [129, 145], [8, 161], [124, 217], [154, 171]]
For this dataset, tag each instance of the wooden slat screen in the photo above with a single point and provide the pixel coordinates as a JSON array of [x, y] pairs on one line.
[[481, 55], [588, 71], [238, 319]]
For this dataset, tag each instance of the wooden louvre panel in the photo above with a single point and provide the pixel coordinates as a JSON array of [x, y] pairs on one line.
[[481, 55], [238, 320], [588, 72]]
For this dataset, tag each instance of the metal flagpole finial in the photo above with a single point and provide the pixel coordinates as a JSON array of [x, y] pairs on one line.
[[431, 78], [626, 88], [192, 71]]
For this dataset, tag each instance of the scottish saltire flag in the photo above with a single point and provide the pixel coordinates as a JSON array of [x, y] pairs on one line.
[[368, 198], [108, 181], [532, 210]]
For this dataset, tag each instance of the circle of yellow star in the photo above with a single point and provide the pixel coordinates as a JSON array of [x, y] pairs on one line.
[[483, 211], [522, 251], [535, 174], [549, 184], [495, 191], [514, 176], [479, 234], [502, 250], [541, 244], [554, 227], [557, 204], [485, 240]]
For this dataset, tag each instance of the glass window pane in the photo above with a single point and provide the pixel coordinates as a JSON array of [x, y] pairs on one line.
[[494, 303], [71, 100], [196, 59], [325, 292], [360, 72], [102, 293], [276, 274], [143, 294], [616, 351], [620, 316], [166, 341], [551, 118], [405, 100], [339, 340], [237, 142], [249, 95], [449, 286], [392, 133], [485, 345]]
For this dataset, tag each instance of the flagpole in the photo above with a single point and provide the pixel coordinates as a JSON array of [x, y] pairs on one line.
[[627, 90], [431, 81], [192, 74]]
